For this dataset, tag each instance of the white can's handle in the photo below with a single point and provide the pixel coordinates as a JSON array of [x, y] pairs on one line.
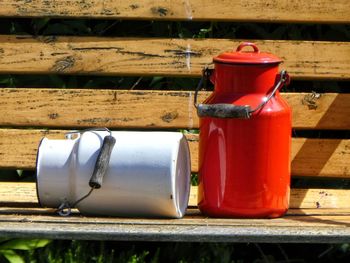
[[100, 168], [102, 162]]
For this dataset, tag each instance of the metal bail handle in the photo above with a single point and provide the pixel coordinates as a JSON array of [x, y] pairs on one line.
[[224, 110], [100, 168], [102, 162]]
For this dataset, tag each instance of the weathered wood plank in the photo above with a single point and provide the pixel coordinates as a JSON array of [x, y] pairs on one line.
[[306, 198], [24, 194], [321, 111], [39, 214], [147, 109], [319, 198], [310, 157], [321, 157], [193, 217], [170, 57], [18, 193], [337, 233], [299, 225], [11, 210], [246, 10]]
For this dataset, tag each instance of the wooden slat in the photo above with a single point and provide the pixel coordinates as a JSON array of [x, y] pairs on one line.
[[25, 193], [192, 213], [331, 231], [321, 157], [299, 225], [170, 57], [146, 109], [246, 10], [310, 157], [306, 198], [9, 210], [194, 217], [319, 198]]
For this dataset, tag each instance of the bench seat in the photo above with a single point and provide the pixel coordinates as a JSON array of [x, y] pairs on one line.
[[21, 216]]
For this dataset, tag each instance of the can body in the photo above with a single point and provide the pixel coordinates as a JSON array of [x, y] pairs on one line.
[[148, 174], [244, 164]]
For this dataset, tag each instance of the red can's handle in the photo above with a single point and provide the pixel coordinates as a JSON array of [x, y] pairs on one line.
[[223, 110], [248, 44]]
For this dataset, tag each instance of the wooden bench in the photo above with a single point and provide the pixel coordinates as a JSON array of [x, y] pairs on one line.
[[28, 114]]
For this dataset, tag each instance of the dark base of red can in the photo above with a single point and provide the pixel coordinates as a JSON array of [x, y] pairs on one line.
[[243, 213]]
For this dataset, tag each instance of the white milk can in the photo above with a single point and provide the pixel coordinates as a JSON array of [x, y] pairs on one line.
[[117, 173]]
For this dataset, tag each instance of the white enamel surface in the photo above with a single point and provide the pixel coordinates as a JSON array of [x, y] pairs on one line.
[[148, 175], [54, 163]]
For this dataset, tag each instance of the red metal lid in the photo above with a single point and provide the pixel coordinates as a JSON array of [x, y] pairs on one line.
[[247, 57]]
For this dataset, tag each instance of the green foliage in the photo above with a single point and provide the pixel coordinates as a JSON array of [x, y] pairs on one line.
[[11, 249], [23, 244], [84, 251], [20, 250], [12, 256], [206, 32], [194, 179]]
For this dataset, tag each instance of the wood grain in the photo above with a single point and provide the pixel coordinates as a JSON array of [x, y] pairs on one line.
[[245, 10], [310, 157], [24, 194], [194, 217], [9, 209], [306, 198], [331, 231], [161, 57], [146, 109], [321, 157], [20, 217], [20, 193]]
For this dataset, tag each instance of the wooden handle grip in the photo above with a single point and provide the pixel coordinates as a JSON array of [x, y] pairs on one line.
[[102, 162], [222, 110]]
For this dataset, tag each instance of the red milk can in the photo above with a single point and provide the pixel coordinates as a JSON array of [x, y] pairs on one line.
[[245, 137]]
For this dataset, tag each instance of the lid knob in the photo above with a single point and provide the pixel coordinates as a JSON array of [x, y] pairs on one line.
[[248, 44]]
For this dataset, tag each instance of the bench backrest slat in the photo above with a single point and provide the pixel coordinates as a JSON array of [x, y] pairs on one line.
[[147, 109], [309, 199], [166, 57], [310, 157], [248, 10]]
